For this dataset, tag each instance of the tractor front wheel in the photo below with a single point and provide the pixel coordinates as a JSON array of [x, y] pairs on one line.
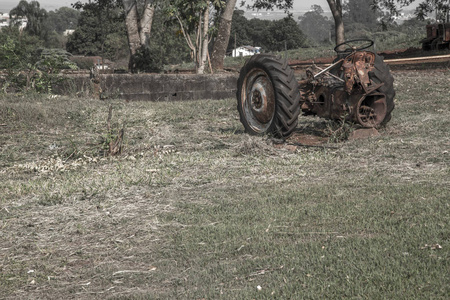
[[268, 96]]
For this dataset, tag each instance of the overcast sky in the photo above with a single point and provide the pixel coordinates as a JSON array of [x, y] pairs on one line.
[[7, 5], [54, 4]]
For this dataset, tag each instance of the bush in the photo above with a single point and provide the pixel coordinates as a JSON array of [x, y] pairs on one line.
[[29, 69], [147, 60]]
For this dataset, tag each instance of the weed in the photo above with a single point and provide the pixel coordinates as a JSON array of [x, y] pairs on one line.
[[112, 141], [338, 131]]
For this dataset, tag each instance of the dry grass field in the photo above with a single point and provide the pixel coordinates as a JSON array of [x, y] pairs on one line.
[[194, 208]]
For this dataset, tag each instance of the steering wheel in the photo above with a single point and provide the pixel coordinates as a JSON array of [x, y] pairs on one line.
[[351, 47]]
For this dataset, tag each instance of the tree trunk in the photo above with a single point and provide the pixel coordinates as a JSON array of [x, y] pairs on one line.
[[223, 36], [189, 42], [336, 10], [204, 42], [198, 45], [146, 24], [132, 24]]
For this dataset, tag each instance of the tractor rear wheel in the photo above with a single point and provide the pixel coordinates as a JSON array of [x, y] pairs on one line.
[[382, 74], [268, 96]]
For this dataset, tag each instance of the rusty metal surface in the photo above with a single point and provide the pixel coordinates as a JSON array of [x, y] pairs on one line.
[[418, 60], [395, 57], [447, 32], [431, 31], [345, 94], [348, 69], [438, 37]]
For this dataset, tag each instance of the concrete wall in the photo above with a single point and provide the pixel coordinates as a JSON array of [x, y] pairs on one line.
[[152, 87]]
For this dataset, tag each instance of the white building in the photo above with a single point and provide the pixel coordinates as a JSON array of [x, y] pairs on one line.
[[245, 51], [4, 20], [68, 32]]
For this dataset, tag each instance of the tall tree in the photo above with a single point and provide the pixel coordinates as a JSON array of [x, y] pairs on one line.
[[361, 12], [285, 34], [138, 17], [17, 49], [335, 7], [336, 10], [316, 26], [258, 31], [145, 24], [205, 41], [132, 25], [100, 30], [34, 14], [269, 35], [193, 19], [223, 36], [239, 31], [138, 25], [62, 19], [138, 28]]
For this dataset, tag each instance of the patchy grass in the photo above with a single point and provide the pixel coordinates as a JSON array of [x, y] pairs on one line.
[[194, 208]]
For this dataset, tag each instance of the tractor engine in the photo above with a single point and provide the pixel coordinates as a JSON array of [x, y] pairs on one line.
[[348, 94]]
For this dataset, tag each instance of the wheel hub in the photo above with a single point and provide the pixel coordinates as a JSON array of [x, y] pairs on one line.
[[256, 99], [262, 100], [259, 104]]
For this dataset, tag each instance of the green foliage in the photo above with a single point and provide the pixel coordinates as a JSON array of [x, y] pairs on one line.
[[35, 15], [413, 27], [101, 31], [239, 31], [43, 75], [362, 13], [407, 35], [316, 26], [188, 12], [167, 43], [285, 34], [51, 61], [270, 4], [338, 131], [16, 50], [94, 37], [48, 26], [257, 30], [16, 56], [190, 17], [441, 8], [28, 68], [167, 47], [62, 19], [270, 35], [148, 59], [83, 63]]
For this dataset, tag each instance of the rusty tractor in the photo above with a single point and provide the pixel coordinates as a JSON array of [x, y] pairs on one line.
[[357, 87], [438, 37]]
